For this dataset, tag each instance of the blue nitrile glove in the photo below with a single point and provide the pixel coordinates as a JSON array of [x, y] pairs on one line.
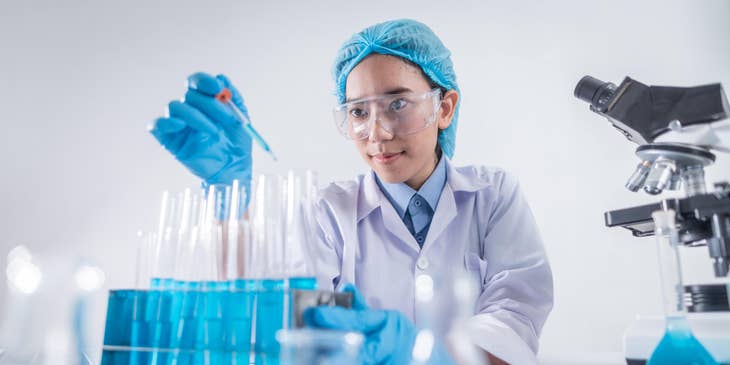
[[389, 335], [205, 135]]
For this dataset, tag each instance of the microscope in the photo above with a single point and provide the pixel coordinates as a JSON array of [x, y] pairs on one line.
[[677, 131]]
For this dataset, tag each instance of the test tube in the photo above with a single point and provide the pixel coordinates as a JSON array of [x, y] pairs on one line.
[[182, 238], [239, 300], [188, 275], [146, 246], [301, 191], [125, 323], [162, 302], [210, 335], [268, 226], [171, 211]]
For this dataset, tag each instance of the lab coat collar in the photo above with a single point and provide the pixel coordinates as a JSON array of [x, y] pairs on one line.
[[400, 194], [370, 196], [467, 179], [463, 179]]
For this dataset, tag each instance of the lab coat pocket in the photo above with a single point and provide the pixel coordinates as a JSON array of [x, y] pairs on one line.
[[476, 267]]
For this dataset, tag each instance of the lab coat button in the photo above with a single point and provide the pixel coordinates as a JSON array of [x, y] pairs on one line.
[[422, 263]]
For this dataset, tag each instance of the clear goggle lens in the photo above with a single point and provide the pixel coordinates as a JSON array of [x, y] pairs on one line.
[[398, 114]]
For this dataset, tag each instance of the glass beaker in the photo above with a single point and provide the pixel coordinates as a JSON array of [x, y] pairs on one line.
[[319, 347]]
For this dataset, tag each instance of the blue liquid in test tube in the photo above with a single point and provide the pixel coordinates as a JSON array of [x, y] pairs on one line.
[[238, 318], [192, 304], [158, 318], [209, 343], [118, 327], [304, 283], [269, 319]]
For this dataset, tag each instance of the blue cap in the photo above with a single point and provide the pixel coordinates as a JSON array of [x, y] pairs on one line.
[[410, 40]]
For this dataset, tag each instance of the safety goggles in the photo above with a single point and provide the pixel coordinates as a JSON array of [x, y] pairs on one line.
[[398, 114]]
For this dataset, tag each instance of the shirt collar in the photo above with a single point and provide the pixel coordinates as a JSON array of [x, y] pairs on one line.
[[400, 194]]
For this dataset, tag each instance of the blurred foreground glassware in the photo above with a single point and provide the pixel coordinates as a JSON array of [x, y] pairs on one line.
[[319, 347], [34, 334]]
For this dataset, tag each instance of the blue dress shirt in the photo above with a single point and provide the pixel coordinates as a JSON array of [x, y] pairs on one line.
[[416, 208]]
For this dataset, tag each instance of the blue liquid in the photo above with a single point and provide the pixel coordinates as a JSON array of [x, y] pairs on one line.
[[159, 315], [191, 305], [176, 313], [162, 283], [680, 347], [305, 283], [209, 344], [118, 327], [119, 314], [269, 319], [238, 316], [191, 323]]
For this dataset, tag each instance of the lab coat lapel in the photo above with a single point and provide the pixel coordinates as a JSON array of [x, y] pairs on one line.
[[446, 211], [395, 225], [444, 214], [373, 198]]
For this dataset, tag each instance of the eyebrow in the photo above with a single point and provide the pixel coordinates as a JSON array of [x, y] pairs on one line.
[[397, 90]]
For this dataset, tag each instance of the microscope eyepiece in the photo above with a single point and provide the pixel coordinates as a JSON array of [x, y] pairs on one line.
[[595, 92]]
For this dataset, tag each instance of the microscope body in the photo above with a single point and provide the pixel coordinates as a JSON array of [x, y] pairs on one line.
[[678, 130]]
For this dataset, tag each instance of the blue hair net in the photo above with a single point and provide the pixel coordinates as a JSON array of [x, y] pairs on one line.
[[408, 39]]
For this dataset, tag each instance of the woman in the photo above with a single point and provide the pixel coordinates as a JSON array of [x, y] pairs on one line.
[[413, 213]]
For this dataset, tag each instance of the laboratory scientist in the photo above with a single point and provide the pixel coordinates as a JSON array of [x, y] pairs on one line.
[[413, 212]]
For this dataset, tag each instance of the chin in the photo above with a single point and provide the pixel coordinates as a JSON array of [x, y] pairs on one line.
[[390, 177], [389, 173]]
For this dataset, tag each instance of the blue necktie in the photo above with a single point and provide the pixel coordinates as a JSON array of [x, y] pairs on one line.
[[417, 205]]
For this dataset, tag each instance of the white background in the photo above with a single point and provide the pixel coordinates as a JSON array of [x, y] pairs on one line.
[[79, 82]]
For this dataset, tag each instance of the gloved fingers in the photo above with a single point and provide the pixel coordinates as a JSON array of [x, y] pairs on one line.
[[205, 84], [202, 89], [192, 117], [344, 319], [235, 95], [358, 301], [240, 140], [223, 117], [163, 126], [220, 113], [171, 133]]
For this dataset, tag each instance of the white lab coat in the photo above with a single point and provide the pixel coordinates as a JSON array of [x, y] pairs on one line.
[[482, 225]]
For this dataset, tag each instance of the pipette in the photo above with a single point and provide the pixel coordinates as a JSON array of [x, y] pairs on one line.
[[225, 97]]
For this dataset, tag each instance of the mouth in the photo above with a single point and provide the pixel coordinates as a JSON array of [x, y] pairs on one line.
[[386, 158]]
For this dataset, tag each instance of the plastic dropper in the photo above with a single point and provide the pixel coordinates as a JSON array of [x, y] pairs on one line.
[[225, 97]]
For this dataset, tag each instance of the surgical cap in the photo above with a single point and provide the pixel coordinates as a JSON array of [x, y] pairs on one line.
[[410, 40]]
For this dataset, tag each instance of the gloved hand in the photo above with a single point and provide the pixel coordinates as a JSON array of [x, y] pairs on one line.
[[205, 135], [389, 335]]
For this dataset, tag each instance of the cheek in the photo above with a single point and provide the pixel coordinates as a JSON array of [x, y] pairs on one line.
[[361, 147], [422, 144]]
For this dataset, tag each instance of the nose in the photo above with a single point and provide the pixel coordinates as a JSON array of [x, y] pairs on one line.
[[377, 132]]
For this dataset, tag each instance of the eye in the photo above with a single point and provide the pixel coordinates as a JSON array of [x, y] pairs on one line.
[[357, 113], [398, 104]]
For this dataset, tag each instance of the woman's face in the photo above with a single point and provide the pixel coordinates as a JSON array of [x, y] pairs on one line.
[[395, 158]]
